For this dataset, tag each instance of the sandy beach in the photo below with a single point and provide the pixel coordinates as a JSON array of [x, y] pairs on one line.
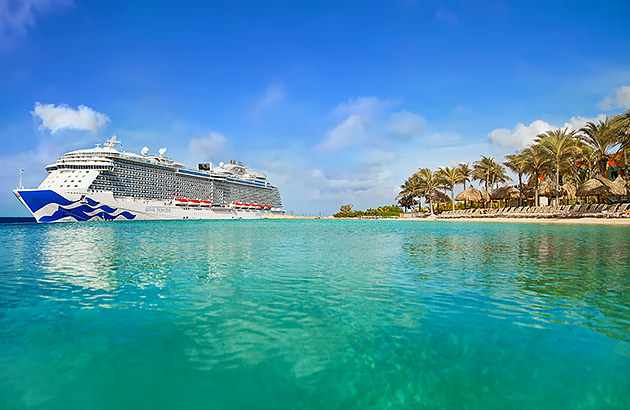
[[547, 221]]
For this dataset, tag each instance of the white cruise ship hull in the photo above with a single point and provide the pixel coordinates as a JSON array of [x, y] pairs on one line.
[[49, 205]]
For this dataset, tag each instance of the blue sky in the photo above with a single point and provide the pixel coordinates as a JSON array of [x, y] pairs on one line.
[[337, 102]]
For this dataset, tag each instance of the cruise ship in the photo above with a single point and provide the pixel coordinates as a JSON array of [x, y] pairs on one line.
[[105, 184]]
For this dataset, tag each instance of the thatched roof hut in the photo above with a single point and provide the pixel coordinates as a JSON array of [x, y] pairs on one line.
[[439, 196], [505, 192], [620, 187], [592, 187], [547, 188], [568, 190], [600, 186], [470, 194]]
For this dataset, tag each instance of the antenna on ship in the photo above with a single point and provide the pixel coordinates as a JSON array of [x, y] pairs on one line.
[[110, 143], [21, 172]]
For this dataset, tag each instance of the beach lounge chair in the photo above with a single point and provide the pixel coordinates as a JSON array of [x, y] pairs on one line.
[[593, 211], [607, 213], [623, 211], [517, 212]]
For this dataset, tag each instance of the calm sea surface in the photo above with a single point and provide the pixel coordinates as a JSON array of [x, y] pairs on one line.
[[314, 314]]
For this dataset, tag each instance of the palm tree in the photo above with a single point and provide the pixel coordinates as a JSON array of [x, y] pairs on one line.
[[621, 127], [410, 190], [518, 164], [407, 202], [537, 161], [560, 144], [489, 171], [465, 172], [429, 183], [601, 137], [482, 169], [581, 163], [450, 177], [498, 175]]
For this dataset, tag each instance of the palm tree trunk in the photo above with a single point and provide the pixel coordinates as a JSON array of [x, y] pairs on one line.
[[520, 190], [453, 198], [557, 182], [485, 203]]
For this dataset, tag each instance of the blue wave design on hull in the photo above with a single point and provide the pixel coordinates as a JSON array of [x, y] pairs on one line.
[[80, 213], [36, 200]]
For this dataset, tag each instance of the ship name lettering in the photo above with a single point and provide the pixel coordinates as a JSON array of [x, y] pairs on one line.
[[160, 209]]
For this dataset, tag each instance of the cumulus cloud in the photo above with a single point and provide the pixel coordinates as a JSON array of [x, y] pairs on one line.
[[518, 137], [207, 147], [406, 125], [55, 118], [18, 16], [349, 132], [620, 99], [575, 123], [368, 120], [523, 135]]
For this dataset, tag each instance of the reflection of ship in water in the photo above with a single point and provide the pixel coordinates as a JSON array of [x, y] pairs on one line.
[[103, 183], [82, 257]]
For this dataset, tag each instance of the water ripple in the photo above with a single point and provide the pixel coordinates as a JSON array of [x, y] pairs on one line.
[[323, 314]]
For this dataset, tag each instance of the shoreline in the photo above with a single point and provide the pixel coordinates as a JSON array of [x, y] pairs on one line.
[[545, 221]]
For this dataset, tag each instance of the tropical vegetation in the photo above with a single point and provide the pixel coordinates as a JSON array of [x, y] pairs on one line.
[[557, 157], [346, 211]]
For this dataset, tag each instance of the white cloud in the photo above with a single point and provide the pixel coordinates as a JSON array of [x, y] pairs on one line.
[[368, 121], [606, 103], [575, 123], [621, 99], [207, 147], [520, 136], [406, 125], [364, 106], [55, 118], [274, 94], [17, 16], [523, 135], [350, 131]]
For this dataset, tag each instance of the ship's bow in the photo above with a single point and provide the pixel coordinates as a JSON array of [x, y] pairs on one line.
[[50, 206]]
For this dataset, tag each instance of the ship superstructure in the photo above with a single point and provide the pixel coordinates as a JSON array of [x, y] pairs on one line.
[[103, 183]]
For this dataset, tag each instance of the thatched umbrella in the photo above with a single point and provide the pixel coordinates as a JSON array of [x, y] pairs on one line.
[[547, 188], [439, 196], [470, 194], [568, 190], [505, 192], [599, 187], [529, 193], [620, 186]]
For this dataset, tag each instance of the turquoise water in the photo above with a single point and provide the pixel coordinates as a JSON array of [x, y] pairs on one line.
[[314, 314]]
